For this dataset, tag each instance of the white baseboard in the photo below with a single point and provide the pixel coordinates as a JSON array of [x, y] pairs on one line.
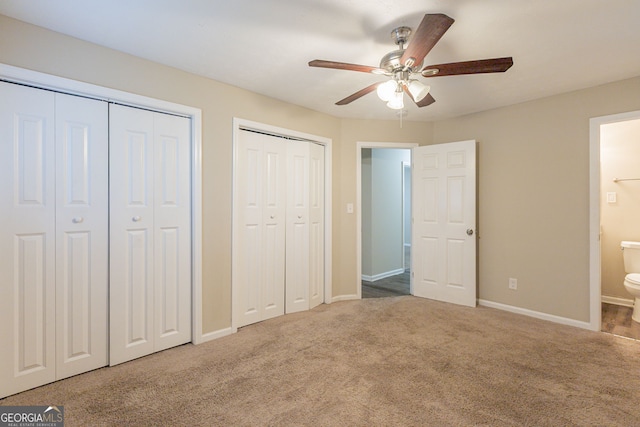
[[536, 314], [210, 336], [344, 298], [617, 301], [382, 275]]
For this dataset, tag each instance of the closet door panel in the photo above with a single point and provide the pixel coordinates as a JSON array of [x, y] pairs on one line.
[[172, 231], [273, 217], [316, 225], [27, 238], [247, 232], [131, 153], [259, 228], [297, 241], [81, 234]]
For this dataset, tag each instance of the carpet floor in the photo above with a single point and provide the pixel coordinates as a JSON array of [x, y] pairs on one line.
[[401, 361]]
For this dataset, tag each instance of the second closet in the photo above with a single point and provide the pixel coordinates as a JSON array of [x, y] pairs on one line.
[[278, 232]]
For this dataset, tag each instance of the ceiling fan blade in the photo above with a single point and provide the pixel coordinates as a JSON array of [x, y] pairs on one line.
[[432, 27], [427, 100], [358, 94], [495, 65], [345, 66]]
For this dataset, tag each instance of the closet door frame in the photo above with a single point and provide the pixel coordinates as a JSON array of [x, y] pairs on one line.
[[238, 125], [36, 79]]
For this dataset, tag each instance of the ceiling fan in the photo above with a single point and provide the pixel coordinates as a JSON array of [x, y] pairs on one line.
[[403, 64]]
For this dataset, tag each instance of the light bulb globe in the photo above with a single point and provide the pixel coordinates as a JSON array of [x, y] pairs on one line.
[[396, 102], [418, 90], [386, 90]]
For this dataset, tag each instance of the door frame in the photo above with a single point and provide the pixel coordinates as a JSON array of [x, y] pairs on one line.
[[238, 125], [405, 166], [359, 146], [40, 80], [595, 286]]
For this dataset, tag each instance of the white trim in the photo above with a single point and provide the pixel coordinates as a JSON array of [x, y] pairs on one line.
[[359, 147], [382, 275], [210, 336], [405, 165], [61, 84], [595, 290], [196, 227], [624, 302], [88, 90], [345, 298], [239, 124], [536, 314]]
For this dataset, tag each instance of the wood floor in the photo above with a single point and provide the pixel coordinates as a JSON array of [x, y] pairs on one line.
[[616, 320], [389, 287]]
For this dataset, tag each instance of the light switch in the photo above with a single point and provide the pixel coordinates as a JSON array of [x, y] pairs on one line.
[[611, 197], [349, 208]]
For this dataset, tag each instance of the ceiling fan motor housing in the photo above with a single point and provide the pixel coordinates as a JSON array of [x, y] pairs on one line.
[[391, 63]]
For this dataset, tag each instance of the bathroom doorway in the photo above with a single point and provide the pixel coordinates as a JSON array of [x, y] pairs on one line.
[[618, 188]]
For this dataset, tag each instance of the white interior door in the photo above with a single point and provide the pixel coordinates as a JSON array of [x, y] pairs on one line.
[[150, 260], [297, 241], [82, 226], [259, 228], [444, 222], [316, 225], [27, 238]]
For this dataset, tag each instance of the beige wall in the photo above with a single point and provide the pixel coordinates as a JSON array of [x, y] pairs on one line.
[[533, 178], [533, 169], [619, 158], [38, 49]]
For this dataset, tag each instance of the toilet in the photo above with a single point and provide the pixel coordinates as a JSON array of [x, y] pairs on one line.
[[631, 257]]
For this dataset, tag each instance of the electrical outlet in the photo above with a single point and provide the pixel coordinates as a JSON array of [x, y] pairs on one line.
[[513, 283]]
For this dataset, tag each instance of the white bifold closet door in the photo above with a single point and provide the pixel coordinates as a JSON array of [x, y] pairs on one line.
[[150, 232], [259, 228], [278, 244], [316, 225], [305, 226], [53, 236]]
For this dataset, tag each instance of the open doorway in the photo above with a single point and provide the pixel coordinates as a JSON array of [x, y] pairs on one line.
[[619, 211], [384, 221], [615, 183]]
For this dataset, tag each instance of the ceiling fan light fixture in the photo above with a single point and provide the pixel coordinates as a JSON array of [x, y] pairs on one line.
[[387, 90], [396, 102], [418, 90]]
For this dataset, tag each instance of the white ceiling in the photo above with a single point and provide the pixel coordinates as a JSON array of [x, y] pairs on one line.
[[264, 45]]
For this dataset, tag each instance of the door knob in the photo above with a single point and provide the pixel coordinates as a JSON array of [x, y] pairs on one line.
[[469, 232], [77, 220], [136, 218]]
